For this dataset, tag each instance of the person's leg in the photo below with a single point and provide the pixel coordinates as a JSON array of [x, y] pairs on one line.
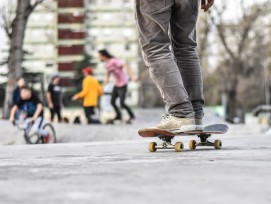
[[91, 119], [37, 126], [113, 102], [183, 32], [88, 114], [52, 112], [58, 112], [153, 20], [122, 93]]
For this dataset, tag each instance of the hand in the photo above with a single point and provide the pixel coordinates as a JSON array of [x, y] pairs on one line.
[[33, 119], [51, 106], [205, 6], [74, 98], [135, 78], [12, 121]]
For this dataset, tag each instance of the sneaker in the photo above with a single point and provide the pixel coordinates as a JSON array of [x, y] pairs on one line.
[[46, 139], [129, 121], [173, 124], [117, 118]]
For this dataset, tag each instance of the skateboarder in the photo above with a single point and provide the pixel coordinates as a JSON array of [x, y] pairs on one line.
[[176, 72], [116, 68]]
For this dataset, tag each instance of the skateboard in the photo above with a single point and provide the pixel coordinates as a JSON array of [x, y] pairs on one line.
[[167, 137]]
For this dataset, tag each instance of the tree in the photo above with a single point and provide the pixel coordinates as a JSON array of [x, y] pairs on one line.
[[15, 30], [211, 91], [236, 37]]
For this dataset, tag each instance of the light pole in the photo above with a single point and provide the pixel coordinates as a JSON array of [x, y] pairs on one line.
[[267, 83]]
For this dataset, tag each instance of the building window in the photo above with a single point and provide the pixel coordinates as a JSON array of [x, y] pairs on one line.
[[107, 1], [92, 1]]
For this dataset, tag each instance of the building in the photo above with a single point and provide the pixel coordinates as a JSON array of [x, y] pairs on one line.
[[60, 33], [113, 27]]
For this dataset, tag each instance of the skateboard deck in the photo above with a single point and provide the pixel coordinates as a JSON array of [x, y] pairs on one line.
[[167, 136], [210, 129]]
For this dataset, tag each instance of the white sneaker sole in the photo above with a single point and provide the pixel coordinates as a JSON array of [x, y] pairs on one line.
[[188, 128]]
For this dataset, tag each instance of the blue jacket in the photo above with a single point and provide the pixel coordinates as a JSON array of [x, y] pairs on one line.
[[16, 96]]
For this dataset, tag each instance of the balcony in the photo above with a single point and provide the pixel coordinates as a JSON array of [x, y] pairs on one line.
[[70, 3]]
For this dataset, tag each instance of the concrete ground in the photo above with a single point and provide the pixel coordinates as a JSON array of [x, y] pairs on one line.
[[70, 133], [111, 164], [125, 172]]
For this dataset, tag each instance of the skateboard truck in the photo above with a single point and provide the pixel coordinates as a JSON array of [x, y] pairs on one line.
[[166, 143], [179, 147], [204, 142]]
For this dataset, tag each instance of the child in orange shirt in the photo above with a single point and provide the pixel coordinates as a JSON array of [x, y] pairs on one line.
[[91, 91]]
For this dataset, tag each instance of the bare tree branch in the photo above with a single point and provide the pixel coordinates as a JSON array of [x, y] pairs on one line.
[[243, 8], [221, 32], [32, 7], [249, 22], [6, 22]]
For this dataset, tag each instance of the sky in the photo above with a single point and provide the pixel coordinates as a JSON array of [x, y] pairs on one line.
[[234, 6]]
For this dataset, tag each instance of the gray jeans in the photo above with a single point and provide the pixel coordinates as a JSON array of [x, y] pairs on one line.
[[167, 36]]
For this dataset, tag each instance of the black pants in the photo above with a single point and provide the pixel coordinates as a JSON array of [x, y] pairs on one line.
[[57, 110], [89, 112], [120, 92]]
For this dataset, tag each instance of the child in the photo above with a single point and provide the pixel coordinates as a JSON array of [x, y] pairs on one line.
[[54, 98], [91, 91], [114, 67], [32, 107]]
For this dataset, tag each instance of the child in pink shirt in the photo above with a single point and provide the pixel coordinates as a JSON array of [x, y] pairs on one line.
[[115, 67]]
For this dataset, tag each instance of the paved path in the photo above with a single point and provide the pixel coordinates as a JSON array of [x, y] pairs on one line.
[[69, 133], [125, 172]]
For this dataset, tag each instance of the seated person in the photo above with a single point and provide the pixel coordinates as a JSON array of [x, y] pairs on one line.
[[31, 105]]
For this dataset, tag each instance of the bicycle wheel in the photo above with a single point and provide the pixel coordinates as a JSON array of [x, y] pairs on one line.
[[50, 137], [32, 139]]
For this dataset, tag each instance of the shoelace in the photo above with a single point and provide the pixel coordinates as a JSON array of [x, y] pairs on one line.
[[165, 116]]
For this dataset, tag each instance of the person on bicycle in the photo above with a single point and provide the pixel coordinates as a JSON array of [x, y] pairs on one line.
[[31, 107]]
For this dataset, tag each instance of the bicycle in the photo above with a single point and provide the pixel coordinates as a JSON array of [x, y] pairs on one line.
[[36, 137]]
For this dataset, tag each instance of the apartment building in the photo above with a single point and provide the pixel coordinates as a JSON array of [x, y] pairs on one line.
[[111, 25], [40, 41], [60, 32]]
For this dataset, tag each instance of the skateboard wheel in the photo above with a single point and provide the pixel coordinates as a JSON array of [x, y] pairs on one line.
[[152, 147], [178, 146], [192, 144], [217, 144]]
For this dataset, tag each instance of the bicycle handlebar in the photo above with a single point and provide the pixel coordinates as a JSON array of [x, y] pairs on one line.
[[22, 125]]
